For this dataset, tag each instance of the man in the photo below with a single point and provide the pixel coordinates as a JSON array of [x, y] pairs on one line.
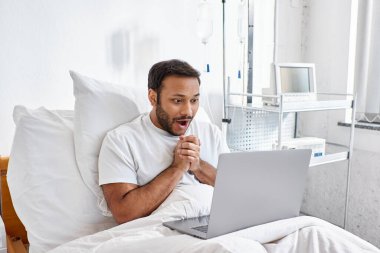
[[141, 162]]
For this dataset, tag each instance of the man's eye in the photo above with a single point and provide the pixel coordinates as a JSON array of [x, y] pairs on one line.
[[194, 100], [177, 101]]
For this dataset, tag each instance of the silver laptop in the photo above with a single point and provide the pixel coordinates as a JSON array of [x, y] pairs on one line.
[[251, 188]]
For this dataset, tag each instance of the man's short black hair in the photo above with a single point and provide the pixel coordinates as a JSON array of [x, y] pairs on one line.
[[159, 71]]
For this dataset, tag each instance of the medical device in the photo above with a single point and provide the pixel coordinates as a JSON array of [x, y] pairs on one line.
[[204, 28], [317, 145], [294, 81]]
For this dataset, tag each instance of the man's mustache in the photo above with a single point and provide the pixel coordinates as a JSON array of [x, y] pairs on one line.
[[183, 118]]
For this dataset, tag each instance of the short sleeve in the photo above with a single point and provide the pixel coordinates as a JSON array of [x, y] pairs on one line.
[[116, 163]]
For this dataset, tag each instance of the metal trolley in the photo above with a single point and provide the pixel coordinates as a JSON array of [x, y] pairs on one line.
[[258, 126]]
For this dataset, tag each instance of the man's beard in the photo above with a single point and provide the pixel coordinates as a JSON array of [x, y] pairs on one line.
[[165, 122]]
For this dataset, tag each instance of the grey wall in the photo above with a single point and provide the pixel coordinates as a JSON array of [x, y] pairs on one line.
[[328, 44], [364, 204], [325, 195]]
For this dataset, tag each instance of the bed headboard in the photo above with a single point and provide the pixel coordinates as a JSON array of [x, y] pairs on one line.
[[13, 225]]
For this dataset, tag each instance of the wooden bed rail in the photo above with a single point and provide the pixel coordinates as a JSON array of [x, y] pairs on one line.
[[13, 226]]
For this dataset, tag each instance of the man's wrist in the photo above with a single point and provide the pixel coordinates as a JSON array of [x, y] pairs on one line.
[[198, 169], [178, 168]]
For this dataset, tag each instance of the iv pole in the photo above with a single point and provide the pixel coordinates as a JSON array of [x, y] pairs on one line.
[[225, 119]]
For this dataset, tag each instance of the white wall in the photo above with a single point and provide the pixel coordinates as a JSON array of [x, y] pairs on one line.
[[263, 45], [113, 40], [291, 28]]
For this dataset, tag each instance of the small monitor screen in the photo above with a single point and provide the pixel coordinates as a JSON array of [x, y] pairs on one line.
[[295, 79]]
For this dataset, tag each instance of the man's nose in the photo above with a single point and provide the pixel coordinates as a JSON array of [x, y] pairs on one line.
[[187, 109]]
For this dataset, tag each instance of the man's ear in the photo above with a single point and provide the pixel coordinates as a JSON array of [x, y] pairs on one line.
[[152, 95]]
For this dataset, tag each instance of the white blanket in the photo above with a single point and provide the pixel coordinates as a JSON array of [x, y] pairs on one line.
[[300, 234]]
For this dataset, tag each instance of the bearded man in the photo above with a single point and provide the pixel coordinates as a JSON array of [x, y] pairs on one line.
[[141, 162]]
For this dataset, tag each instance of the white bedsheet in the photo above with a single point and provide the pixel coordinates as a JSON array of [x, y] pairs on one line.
[[300, 234]]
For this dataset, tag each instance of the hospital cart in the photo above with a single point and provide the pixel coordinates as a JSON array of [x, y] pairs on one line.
[[258, 126]]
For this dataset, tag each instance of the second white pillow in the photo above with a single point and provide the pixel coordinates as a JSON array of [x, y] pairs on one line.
[[99, 107]]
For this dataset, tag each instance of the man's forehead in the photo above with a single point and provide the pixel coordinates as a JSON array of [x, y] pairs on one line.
[[178, 80], [184, 86]]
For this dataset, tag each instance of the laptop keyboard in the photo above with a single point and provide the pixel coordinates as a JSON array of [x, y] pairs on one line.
[[201, 228]]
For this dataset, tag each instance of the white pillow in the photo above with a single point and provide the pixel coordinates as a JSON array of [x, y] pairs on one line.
[[99, 108], [47, 191]]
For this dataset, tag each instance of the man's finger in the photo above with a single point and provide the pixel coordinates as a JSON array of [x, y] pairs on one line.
[[192, 139], [188, 158], [188, 152], [189, 145]]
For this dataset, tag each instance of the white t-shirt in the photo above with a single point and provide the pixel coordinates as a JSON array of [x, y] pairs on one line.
[[138, 151]]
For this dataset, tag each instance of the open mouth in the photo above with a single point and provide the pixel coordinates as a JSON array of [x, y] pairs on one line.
[[182, 122]]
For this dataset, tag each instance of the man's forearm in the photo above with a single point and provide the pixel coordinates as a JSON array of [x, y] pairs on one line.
[[206, 174], [143, 200]]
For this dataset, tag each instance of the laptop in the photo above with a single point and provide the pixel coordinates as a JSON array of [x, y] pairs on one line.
[[251, 188]]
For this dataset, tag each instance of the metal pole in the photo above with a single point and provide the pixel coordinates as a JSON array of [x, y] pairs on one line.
[[224, 62], [250, 49], [280, 115], [351, 149], [225, 120]]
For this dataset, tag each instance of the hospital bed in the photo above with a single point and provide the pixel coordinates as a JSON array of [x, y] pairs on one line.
[[52, 179]]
